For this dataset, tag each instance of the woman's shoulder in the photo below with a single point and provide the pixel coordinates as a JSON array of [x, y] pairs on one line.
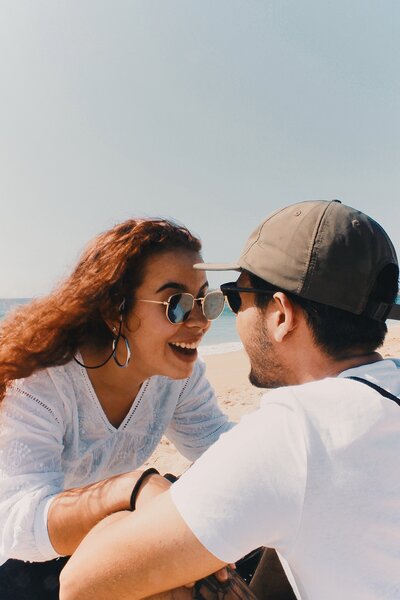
[[52, 388]]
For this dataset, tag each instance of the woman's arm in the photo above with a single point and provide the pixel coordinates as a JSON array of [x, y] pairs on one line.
[[73, 513], [39, 520], [143, 553]]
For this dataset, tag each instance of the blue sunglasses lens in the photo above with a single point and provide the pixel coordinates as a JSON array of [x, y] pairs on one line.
[[181, 305]]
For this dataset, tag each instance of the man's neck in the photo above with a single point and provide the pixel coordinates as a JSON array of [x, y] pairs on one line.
[[351, 362], [331, 367]]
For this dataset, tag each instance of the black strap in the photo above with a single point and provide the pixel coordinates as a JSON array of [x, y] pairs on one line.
[[377, 388]]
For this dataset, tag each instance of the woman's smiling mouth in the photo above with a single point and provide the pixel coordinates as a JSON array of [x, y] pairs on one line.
[[188, 349], [187, 345]]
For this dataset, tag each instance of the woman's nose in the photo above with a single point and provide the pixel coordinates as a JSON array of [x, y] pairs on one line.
[[197, 318]]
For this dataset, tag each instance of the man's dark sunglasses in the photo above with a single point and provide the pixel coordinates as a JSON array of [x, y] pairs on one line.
[[232, 295]]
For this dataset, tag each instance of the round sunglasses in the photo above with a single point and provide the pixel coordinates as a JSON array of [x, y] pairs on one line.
[[231, 292], [179, 306]]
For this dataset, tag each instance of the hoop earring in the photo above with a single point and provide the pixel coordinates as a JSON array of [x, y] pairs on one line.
[[114, 352]]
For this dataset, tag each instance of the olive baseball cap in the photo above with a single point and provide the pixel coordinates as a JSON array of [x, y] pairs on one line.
[[323, 251]]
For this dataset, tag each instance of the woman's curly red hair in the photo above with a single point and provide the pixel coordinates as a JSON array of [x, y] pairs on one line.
[[49, 331]]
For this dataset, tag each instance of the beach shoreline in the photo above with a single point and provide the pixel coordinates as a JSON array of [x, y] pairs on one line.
[[228, 374]]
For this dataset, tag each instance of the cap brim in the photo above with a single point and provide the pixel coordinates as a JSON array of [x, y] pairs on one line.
[[217, 267]]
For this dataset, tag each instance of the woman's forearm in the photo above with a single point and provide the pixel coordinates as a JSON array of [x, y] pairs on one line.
[[75, 512]]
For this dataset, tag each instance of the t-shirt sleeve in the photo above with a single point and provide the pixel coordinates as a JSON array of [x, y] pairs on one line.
[[247, 490], [197, 421], [31, 438]]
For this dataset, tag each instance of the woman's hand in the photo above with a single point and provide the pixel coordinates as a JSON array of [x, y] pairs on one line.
[[74, 512], [222, 575]]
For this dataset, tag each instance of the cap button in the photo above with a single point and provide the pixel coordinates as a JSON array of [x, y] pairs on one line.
[[297, 213]]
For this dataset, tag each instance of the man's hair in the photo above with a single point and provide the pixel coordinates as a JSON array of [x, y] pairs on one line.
[[337, 331]]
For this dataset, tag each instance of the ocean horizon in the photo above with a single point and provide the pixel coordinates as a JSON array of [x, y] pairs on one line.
[[220, 338]]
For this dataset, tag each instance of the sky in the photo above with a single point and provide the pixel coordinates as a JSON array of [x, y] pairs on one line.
[[213, 112]]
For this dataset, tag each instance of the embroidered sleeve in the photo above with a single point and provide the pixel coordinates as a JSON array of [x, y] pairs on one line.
[[31, 441]]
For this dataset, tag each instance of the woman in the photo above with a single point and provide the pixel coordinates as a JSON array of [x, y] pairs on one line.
[[91, 377]]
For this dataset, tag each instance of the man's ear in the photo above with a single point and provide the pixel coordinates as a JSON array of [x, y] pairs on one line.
[[282, 315]]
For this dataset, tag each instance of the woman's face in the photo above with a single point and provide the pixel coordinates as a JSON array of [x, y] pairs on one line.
[[159, 347]]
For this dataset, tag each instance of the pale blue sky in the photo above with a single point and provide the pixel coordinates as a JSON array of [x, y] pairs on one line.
[[215, 112]]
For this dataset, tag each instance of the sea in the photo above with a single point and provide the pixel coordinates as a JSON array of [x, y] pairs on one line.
[[220, 338]]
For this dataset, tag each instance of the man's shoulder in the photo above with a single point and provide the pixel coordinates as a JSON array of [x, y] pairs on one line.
[[327, 404], [292, 395], [385, 373]]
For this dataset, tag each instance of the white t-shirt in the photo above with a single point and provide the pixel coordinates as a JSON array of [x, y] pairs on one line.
[[314, 473], [54, 435]]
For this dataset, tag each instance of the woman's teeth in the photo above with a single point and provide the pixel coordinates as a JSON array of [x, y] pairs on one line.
[[191, 346]]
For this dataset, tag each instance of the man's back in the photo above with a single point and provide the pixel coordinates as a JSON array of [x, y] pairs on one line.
[[350, 527], [320, 482]]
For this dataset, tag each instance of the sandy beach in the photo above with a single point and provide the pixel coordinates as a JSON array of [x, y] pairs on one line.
[[228, 374]]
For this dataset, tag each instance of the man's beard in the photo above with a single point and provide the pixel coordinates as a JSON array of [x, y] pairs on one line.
[[266, 370]]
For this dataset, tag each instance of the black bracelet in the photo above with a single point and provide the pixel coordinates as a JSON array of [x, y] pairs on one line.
[[171, 477], [138, 485]]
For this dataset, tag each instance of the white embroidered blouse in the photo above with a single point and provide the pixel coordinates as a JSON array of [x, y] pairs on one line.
[[54, 436]]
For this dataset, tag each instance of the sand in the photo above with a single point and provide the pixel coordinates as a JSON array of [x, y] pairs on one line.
[[228, 374]]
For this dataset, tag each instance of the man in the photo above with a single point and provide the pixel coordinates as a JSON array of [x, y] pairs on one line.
[[314, 472]]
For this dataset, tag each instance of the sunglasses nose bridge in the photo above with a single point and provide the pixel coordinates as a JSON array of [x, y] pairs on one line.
[[197, 311]]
